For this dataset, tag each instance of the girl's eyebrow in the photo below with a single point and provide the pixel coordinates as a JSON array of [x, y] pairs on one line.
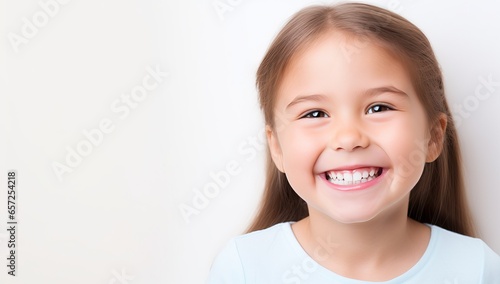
[[384, 89], [299, 99]]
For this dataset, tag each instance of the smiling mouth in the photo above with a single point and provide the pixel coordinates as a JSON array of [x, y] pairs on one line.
[[357, 176]]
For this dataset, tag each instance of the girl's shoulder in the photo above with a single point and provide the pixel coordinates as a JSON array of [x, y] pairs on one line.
[[455, 252], [265, 236], [446, 240], [261, 243], [255, 255]]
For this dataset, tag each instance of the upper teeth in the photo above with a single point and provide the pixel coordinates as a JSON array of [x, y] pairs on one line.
[[353, 176]]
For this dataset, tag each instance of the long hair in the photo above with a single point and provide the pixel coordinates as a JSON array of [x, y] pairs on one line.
[[439, 196]]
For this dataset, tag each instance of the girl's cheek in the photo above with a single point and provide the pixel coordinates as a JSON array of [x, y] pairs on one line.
[[301, 148]]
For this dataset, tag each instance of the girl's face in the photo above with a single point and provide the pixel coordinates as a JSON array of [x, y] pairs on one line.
[[350, 133]]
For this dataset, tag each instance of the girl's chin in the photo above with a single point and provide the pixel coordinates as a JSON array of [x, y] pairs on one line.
[[347, 216]]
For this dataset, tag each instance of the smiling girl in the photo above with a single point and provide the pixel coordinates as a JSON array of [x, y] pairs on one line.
[[364, 180]]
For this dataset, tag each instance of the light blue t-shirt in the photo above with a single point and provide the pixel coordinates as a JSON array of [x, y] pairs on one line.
[[275, 256]]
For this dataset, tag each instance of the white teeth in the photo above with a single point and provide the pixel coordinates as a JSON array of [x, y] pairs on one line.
[[348, 177], [352, 177], [356, 176]]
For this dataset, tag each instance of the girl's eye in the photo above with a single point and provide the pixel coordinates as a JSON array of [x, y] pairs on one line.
[[378, 108], [315, 114]]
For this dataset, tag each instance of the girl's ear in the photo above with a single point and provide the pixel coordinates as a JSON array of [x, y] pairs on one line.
[[274, 148], [435, 145]]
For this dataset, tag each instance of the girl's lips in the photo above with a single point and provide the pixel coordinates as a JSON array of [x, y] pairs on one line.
[[352, 182]]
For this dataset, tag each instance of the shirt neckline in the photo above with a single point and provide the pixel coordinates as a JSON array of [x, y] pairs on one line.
[[332, 276]]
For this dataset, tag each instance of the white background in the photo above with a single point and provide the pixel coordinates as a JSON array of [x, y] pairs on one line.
[[115, 218]]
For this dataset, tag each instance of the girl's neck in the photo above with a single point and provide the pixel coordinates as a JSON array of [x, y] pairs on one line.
[[377, 250]]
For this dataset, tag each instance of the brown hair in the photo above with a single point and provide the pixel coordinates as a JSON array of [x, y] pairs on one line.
[[438, 198]]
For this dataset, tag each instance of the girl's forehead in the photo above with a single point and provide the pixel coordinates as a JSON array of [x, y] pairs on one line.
[[341, 62], [343, 49]]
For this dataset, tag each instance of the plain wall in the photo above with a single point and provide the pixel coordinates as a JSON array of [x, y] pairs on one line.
[[115, 215]]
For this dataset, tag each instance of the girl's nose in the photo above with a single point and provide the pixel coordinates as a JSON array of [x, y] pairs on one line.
[[348, 137]]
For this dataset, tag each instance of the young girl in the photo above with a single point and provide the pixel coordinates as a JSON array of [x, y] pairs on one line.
[[364, 180]]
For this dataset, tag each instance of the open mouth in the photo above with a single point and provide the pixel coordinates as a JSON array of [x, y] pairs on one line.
[[356, 176]]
